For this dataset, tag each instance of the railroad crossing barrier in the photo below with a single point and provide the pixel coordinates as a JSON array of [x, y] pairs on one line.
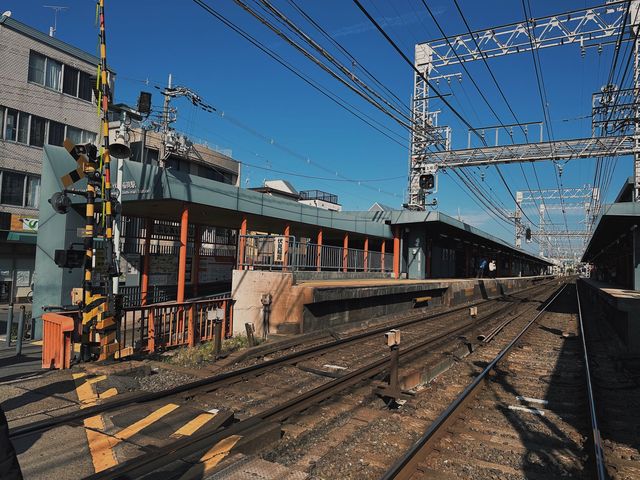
[[56, 340], [145, 328]]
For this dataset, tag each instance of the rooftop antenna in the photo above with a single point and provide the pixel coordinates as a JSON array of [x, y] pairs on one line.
[[56, 9]]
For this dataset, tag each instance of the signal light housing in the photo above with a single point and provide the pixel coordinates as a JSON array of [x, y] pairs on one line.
[[427, 181], [60, 202]]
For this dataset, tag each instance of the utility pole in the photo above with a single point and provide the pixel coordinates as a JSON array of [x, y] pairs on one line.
[[116, 225], [165, 123]]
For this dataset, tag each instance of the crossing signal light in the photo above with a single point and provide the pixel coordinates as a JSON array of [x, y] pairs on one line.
[[527, 234], [60, 202], [427, 181]]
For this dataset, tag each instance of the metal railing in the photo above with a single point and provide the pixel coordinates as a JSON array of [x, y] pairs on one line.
[[269, 252], [171, 324], [166, 293]]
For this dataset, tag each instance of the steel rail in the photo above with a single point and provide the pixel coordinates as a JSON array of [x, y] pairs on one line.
[[406, 466], [595, 430], [182, 449], [217, 381]]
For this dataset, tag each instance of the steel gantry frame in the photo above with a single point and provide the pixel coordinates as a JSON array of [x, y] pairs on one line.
[[551, 241], [601, 25]]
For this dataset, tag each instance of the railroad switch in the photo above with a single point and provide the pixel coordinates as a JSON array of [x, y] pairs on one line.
[[391, 393]]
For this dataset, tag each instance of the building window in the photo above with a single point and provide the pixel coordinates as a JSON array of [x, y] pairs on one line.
[[74, 134], [70, 81], [1, 121], [38, 128], [36, 68], [12, 191], [23, 127], [12, 125], [33, 192], [60, 77], [56, 133], [85, 90], [79, 136]]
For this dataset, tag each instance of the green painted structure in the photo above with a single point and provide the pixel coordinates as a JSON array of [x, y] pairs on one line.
[[162, 194]]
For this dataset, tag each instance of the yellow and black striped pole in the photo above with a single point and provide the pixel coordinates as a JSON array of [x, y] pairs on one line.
[[99, 326], [87, 282]]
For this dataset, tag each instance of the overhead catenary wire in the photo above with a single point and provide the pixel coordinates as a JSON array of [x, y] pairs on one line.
[[544, 100], [482, 95], [327, 55], [346, 52], [406, 122], [410, 63], [268, 51], [496, 83], [426, 80]]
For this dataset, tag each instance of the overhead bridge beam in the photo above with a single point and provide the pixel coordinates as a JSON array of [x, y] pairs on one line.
[[562, 233], [532, 152], [585, 27]]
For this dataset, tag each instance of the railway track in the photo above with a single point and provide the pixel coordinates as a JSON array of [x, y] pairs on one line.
[[188, 454], [420, 321], [529, 414], [616, 389], [252, 389]]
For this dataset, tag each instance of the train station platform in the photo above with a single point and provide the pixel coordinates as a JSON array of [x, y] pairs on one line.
[[168, 210], [311, 305], [618, 306]]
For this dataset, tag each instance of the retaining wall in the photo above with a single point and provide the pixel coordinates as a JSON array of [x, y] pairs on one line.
[[619, 307], [319, 305]]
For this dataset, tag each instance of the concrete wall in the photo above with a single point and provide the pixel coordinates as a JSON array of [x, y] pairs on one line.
[[620, 308], [247, 288], [304, 307], [305, 276]]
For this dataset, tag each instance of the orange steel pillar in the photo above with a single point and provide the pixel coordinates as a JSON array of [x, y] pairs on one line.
[[396, 253], [182, 261], [383, 249], [242, 242], [345, 252], [144, 285], [285, 258], [366, 254], [319, 252], [195, 269]]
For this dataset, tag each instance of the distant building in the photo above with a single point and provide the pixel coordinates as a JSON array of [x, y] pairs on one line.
[[380, 207], [314, 198], [320, 199], [278, 188], [46, 95], [176, 153], [179, 153]]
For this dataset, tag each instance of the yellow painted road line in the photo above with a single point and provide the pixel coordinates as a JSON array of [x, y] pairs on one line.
[[96, 379], [112, 392], [212, 458], [195, 424], [100, 444], [131, 430], [86, 395]]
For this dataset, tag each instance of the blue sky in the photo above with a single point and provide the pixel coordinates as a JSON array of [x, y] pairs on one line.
[[147, 40]]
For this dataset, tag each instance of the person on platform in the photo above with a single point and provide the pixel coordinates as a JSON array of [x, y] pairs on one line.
[[492, 269], [482, 267], [9, 466]]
